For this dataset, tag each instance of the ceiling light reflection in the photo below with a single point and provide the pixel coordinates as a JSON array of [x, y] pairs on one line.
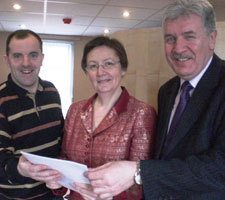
[[17, 6]]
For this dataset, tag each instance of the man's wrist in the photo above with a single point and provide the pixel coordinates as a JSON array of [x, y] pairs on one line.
[[137, 175], [60, 191]]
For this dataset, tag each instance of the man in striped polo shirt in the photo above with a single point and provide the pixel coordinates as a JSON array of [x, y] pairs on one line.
[[31, 118]]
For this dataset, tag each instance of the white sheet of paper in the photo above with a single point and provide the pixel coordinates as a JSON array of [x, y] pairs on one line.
[[70, 171]]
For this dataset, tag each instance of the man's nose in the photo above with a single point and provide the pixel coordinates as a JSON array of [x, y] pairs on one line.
[[26, 60], [179, 45]]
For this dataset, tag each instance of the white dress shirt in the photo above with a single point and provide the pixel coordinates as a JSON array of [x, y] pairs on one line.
[[194, 83]]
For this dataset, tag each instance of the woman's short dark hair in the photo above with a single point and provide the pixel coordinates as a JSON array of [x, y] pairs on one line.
[[22, 34], [105, 41]]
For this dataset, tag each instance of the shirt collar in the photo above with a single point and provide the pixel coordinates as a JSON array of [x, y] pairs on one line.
[[20, 91]]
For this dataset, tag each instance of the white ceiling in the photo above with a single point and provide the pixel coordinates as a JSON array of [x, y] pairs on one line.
[[89, 17]]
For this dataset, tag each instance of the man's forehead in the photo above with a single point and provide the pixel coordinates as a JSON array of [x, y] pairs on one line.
[[185, 18], [26, 44], [183, 24]]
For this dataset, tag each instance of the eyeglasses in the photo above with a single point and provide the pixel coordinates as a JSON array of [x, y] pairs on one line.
[[107, 65]]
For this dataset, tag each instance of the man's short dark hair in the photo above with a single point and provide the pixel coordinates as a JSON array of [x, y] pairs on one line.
[[22, 34]]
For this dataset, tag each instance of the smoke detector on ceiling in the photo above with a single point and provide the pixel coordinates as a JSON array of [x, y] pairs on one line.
[[67, 20]]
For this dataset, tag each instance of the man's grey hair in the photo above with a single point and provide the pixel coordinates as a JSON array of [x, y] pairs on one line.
[[186, 8]]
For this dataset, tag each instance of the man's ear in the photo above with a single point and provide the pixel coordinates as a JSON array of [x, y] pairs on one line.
[[212, 40], [42, 55], [6, 59]]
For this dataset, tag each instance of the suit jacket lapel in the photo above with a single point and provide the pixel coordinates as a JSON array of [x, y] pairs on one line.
[[162, 128], [196, 104]]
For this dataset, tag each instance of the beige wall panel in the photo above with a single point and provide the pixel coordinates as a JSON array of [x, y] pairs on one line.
[[220, 43], [154, 49], [127, 39], [129, 81], [4, 69], [82, 86], [147, 88], [145, 61]]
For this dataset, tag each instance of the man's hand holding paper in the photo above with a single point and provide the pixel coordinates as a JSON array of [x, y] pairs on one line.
[[54, 172], [39, 172]]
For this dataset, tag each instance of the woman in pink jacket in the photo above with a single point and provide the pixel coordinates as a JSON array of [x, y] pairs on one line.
[[111, 125]]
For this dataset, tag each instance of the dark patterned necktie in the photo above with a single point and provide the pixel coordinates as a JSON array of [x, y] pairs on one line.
[[184, 97]]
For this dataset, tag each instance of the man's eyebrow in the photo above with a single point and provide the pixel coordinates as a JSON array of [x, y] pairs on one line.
[[188, 33], [33, 52], [168, 35]]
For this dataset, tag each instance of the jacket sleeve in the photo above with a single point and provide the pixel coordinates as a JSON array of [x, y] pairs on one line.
[[142, 142], [143, 134]]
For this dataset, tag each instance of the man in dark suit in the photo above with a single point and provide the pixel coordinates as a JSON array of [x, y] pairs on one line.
[[190, 145]]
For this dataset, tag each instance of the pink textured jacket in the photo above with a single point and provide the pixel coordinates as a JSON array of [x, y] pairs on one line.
[[126, 133]]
